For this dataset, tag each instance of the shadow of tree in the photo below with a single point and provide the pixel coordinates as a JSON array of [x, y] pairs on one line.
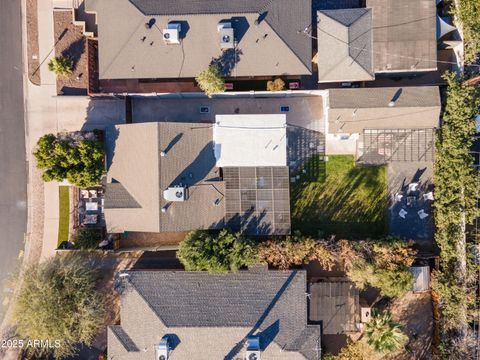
[[227, 61]]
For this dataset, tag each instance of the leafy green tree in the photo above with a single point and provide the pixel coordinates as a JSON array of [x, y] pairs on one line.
[[78, 161], [87, 239], [393, 283], [383, 334], [61, 65], [353, 351], [456, 191], [467, 13], [57, 300], [216, 252], [211, 80], [383, 265]]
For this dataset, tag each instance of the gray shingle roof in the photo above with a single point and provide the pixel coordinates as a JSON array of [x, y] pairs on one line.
[[275, 46], [345, 45], [270, 302], [123, 338], [119, 197], [251, 299]]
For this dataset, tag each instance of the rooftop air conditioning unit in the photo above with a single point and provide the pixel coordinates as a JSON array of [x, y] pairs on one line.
[[175, 193], [162, 350], [171, 34], [226, 35], [253, 348]]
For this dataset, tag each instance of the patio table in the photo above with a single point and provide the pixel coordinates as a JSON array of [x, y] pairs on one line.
[[90, 219], [91, 206]]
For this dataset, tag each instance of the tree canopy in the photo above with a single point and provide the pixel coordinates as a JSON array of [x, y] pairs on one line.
[[456, 194], [57, 300], [216, 251], [211, 80], [78, 160]]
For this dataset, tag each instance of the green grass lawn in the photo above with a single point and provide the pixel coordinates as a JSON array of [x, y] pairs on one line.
[[337, 197], [64, 197]]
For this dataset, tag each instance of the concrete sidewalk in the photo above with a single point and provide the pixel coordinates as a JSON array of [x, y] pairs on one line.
[[51, 220]]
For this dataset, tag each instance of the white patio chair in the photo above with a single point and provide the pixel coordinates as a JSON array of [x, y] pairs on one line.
[[398, 197], [422, 214], [428, 196], [412, 187], [402, 213]]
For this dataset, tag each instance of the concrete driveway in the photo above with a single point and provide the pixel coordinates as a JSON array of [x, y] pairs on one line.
[[305, 116]]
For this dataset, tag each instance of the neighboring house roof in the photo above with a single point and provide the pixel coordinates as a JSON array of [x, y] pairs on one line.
[[336, 305], [274, 46], [209, 316], [345, 45], [250, 140], [138, 175], [404, 35], [353, 110]]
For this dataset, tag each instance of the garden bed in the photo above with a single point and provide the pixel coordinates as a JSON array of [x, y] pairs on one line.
[[338, 197], [32, 42], [64, 214], [71, 42]]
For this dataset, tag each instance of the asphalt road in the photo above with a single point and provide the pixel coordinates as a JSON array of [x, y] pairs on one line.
[[13, 173]]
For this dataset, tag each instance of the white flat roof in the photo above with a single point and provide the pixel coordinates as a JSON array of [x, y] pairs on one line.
[[250, 140]]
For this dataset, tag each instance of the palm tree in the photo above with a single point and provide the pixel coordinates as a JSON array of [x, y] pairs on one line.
[[61, 65], [384, 334]]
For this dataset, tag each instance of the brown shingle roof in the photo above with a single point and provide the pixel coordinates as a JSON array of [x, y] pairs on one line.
[[274, 46], [133, 155]]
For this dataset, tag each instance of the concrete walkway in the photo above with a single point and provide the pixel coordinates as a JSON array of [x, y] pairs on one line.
[[49, 113]]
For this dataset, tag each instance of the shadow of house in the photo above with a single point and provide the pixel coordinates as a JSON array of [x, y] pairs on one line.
[[237, 348], [198, 169]]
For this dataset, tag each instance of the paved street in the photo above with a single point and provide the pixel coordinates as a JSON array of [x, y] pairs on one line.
[[13, 178]]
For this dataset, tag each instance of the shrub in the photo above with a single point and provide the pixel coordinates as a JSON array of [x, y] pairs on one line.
[[87, 239], [80, 161], [57, 300], [381, 264], [211, 81], [275, 85], [61, 65], [216, 252], [353, 351], [361, 273], [383, 334], [296, 250]]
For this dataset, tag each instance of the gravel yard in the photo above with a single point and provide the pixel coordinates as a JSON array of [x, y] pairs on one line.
[[70, 42]]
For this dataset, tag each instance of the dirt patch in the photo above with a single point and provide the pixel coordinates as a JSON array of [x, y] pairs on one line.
[[151, 241], [32, 42], [70, 42], [415, 313]]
